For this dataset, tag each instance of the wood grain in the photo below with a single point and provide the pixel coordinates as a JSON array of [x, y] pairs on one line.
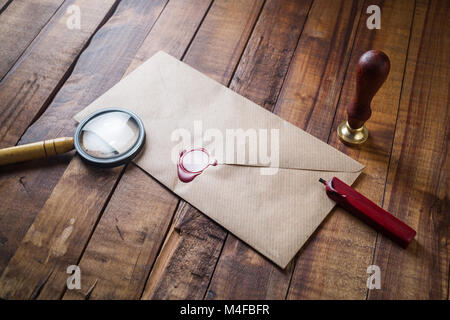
[[58, 235], [333, 265], [174, 30], [126, 241], [27, 90], [20, 24], [129, 264], [224, 32], [223, 35], [312, 86], [417, 189], [187, 258], [97, 72]]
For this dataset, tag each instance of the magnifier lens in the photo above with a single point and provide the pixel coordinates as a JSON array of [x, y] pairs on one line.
[[109, 135]]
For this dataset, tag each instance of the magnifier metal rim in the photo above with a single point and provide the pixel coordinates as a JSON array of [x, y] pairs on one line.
[[114, 161]]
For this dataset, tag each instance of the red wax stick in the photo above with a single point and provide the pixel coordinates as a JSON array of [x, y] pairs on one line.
[[369, 212]]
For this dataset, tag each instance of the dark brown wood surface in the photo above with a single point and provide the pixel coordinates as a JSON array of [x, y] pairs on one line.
[[134, 239]]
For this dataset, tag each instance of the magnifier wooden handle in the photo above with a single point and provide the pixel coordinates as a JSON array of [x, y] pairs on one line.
[[36, 150]]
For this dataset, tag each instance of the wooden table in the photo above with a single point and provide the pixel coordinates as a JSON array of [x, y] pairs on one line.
[[131, 237]]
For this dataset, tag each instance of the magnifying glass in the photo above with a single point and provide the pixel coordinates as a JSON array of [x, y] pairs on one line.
[[106, 138]]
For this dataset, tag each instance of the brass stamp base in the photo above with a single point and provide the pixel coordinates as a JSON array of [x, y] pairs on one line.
[[352, 136]]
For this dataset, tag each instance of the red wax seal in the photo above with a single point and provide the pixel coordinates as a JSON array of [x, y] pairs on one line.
[[192, 163]]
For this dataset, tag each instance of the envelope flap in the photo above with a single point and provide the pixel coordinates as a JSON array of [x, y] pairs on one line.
[[222, 111]]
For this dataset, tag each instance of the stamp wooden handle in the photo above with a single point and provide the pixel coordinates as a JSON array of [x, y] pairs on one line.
[[372, 70], [36, 150]]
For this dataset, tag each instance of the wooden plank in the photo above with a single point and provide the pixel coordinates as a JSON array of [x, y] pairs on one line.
[[173, 31], [21, 22], [187, 258], [242, 273], [215, 50], [224, 32], [126, 241], [313, 85], [122, 273], [30, 88], [417, 188], [265, 61], [57, 236], [333, 265], [26, 92], [97, 69]]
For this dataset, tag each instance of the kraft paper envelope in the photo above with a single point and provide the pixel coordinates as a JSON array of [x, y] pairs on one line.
[[274, 213]]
